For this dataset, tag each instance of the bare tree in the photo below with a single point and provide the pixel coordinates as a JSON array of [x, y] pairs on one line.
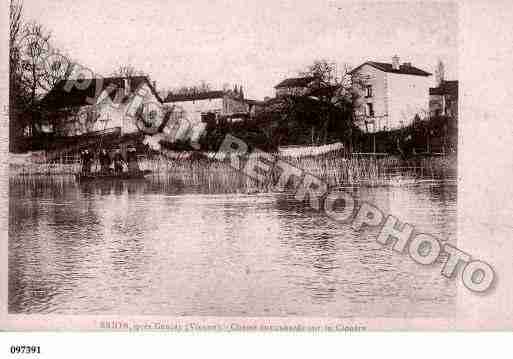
[[18, 98], [15, 23], [331, 85], [334, 91], [323, 71], [41, 66], [35, 68], [15, 27], [33, 53], [202, 87], [128, 71]]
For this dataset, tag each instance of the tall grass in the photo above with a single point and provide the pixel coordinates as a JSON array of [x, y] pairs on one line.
[[206, 172], [46, 169]]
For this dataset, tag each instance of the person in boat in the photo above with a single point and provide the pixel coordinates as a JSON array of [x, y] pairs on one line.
[[105, 161], [131, 156], [87, 161], [118, 161]]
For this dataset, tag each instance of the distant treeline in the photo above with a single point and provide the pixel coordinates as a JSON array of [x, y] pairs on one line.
[[310, 126]]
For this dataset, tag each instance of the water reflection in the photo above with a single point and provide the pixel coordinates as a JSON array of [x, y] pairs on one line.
[[151, 247]]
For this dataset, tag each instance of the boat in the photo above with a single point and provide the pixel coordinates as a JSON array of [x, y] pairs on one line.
[[94, 176]]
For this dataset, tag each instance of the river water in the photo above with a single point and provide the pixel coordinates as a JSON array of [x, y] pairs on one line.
[[141, 247]]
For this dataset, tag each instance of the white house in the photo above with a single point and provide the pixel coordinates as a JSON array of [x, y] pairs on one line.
[[391, 94], [209, 105]]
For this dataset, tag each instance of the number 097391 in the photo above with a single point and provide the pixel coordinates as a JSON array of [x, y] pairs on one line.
[[25, 349]]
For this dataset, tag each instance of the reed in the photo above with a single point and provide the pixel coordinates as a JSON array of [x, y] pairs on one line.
[[206, 173], [43, 169]]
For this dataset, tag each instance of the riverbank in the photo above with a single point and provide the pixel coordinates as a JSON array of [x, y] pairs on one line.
[[197, 169]]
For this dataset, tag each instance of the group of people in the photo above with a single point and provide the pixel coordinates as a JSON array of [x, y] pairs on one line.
[[107, 160]]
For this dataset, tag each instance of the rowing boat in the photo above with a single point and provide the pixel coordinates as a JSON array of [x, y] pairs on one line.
[[112, 176]]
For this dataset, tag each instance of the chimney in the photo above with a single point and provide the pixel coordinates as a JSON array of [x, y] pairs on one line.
[[395, 62], [407, 64], [126, 86], [155, 85], [439, 73]]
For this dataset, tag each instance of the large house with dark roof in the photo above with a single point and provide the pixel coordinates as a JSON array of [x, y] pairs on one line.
[[391, 95], [78, 107]]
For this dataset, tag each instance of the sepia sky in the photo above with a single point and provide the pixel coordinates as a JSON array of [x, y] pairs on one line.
[[253, 43]]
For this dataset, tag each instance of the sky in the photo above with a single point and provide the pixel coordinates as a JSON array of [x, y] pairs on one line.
[[252, 43]]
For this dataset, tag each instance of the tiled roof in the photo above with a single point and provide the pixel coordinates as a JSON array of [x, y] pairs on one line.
[[445, 88], [195, 96], [403, 68], [59, 97], [295, 82]]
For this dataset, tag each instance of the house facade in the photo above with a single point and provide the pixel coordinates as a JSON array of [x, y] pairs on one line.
[[391, 95], [74, 108], [209, 106]]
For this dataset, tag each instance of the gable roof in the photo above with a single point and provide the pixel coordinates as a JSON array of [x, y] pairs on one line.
[[295, 82], [387, 67], [445, 88], [60, 97], [207, 95]]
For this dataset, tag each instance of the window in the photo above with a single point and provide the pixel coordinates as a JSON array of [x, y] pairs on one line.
[[368, 91], [208, 116], [27, 131], [370, 110]]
